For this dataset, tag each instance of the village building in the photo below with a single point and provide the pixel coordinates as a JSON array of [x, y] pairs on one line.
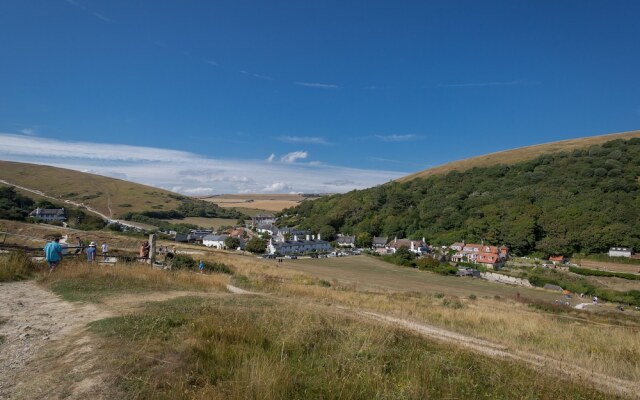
[[415, 246], [296, 246], [490, 256], [346, 241], [262, 219], [214, 241], [620, 252], [379, 242], [49, 214]]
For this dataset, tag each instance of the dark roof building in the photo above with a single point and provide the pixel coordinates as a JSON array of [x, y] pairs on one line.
[[49, 214]]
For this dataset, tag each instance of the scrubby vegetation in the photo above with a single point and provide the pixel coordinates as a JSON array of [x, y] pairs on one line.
[[562, 203], [595, 272]]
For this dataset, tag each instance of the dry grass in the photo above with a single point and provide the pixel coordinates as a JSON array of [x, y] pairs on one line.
[[520, 154], [605, 344], [62, 183], [79, 281]]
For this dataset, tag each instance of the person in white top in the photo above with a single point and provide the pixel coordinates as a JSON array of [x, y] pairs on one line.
[[105, 251]]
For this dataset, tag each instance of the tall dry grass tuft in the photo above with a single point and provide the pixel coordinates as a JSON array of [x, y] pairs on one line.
[[16, 266], [76, 280]]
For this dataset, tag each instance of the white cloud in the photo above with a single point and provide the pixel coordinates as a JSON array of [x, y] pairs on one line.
[[303, 139], [518, 82], [318, 85], [211, 62], [396, 138], [271, 157], [276, 187], [292, 157], [256, 75], [187, 172]]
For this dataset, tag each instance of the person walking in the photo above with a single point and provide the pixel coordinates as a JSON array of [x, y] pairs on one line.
[[80, 246], [201, 267], [91, 252], [53, 253], [105, 251]]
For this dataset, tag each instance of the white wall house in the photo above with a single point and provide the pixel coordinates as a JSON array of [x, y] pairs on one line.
[[296, 246], [215, 241]]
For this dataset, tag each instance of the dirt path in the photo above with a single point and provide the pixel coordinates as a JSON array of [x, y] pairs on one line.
[[46, 337]]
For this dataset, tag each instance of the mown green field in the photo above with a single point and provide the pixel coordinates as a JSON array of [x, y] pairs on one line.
[[367, 272]]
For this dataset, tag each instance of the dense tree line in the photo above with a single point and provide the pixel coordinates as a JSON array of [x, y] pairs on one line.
[[194, 208], [583, 201]]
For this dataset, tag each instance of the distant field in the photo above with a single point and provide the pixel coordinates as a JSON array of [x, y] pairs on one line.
[[609, 266], [204, 222], [520, 154], [261, 202], [369, 273]]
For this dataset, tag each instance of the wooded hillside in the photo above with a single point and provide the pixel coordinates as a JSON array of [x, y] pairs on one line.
[[585, 200]]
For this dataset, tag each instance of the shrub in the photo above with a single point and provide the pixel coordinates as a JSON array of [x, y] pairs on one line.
[[472, 296]]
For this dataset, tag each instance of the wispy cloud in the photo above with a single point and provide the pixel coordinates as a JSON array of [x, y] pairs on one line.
[[293, 157], [265, 77], [29, 131], [271, 158], [211, 62], [318, 85], [397, 138], [489, 83], [303, 139], [90, 11], [190, 173]]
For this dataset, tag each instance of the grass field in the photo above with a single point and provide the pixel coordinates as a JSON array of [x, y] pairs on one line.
[[260, 202], [520, 154], [371, 273]]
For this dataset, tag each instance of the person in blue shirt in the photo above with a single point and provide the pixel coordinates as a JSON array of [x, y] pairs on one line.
[[201, 266], [91, 252], [53, 253]]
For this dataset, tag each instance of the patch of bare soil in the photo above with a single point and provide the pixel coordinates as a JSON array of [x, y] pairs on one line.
[[47, 351]]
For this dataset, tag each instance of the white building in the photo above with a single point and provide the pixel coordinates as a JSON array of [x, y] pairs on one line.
[[49, 214], [215, 241], [620, 252], [290, 247]]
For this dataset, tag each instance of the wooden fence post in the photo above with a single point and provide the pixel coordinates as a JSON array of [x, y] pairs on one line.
[[152, 249]]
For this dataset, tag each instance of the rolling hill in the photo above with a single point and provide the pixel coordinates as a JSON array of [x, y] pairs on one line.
[[520, 154]]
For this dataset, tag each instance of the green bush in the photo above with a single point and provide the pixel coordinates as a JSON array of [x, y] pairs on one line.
[[182, 261], [594, 272]]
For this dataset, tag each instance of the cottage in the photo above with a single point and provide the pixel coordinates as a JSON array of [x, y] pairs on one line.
[[346, 241], [415, 246], [379, 242], [49, 214], [557, 259], [215, 241]]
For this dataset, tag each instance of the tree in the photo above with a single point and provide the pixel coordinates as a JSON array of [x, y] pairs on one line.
[[232, 242], [364, 240], [256, 245]]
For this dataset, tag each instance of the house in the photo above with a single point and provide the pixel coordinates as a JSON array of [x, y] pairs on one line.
[[490, 256], [215, 241], [379, 242], [620, 252], [346, 241], [296, 246], [262, 219], [49, 214], [557, 259], [415, 246]]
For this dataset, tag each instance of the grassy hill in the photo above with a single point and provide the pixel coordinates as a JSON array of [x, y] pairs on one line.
[[110, 196], [520, 154]]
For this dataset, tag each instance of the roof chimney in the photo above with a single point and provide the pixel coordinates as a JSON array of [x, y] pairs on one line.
[[308, 237], [319, 236]]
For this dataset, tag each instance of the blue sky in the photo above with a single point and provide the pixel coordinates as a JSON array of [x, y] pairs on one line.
[[284, 96]]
